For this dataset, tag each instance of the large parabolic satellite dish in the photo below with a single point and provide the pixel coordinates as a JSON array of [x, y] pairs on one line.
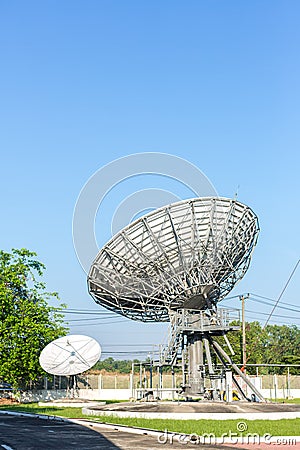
[[70, 355], [189, 255]]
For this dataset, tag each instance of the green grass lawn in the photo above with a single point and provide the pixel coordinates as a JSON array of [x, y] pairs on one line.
[[283, 400], [284, 427]]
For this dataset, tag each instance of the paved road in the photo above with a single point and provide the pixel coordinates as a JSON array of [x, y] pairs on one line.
[[27, 433], [20, 433]]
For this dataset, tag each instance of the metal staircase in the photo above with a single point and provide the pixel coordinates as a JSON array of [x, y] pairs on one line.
[[170, 352]]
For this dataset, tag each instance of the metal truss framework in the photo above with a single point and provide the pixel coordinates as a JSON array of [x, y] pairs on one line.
[[191, 322], [189, 255], [193, 345]]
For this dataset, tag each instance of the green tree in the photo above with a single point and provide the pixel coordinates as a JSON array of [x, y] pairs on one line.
[[283, 345], [27, 322], [276, 344], [125, 366], [112, 365]]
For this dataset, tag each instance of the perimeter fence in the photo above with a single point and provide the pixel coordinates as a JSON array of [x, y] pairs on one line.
[[165, 381]]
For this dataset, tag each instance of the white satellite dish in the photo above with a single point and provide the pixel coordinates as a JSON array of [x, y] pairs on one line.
[[70, 355]]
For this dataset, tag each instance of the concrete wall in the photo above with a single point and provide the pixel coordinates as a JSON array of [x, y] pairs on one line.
[[88, 394]]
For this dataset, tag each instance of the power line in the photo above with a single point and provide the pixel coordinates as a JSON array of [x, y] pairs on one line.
[[102, 321], [98, 323], [130, 345], [251, 295], [86, 312], [230, 298], [92, 318], [273, 300], [275, 322], [282, 292], [278, 306], [126, 353], [274, 315], [274, 307]]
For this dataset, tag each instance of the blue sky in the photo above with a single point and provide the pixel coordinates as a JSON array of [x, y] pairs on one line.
[[84, 83]]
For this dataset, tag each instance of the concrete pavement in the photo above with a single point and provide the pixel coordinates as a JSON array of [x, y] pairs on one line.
[[18, 432]]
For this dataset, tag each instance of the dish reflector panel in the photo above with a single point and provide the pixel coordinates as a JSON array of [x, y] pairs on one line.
[[70, 355], [188, 254]]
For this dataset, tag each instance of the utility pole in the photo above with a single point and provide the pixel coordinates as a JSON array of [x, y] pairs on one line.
[[242, 298]]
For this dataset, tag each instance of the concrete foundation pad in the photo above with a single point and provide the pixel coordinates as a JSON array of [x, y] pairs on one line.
[[72, 403], [196, 411]]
